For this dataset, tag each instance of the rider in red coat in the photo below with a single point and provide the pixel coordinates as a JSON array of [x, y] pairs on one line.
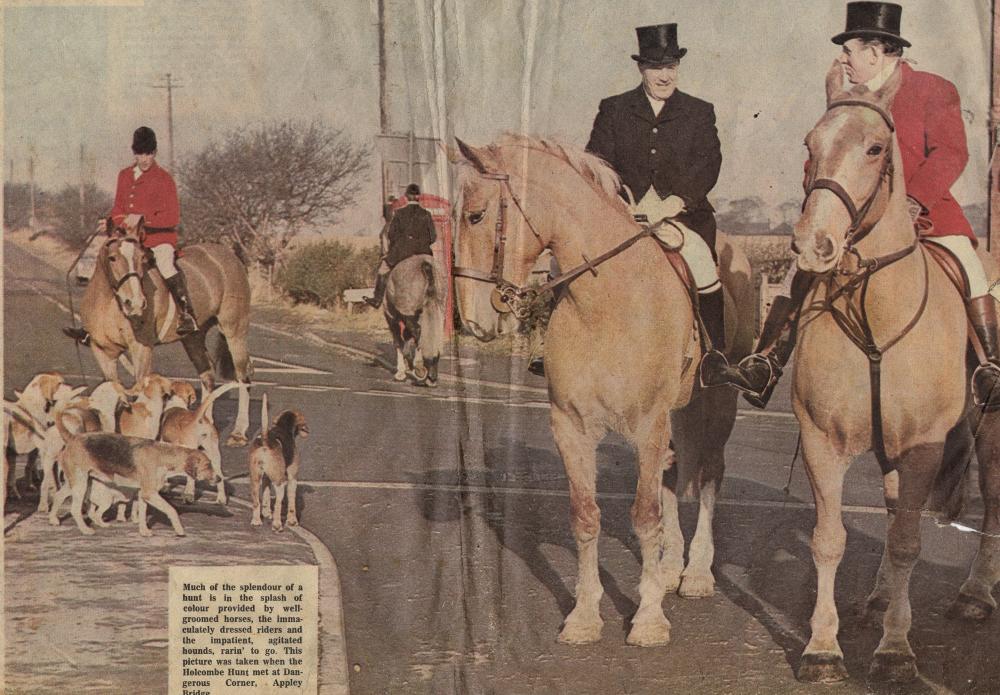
[[145, 191], [931, 135]]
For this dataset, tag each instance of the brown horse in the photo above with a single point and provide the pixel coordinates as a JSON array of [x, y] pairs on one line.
[[855, 232], [621, 355], [120, 320]]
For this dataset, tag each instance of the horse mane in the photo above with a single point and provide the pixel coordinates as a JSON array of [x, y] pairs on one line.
[[591, 168]]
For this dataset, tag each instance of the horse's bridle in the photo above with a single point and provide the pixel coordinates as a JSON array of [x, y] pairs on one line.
[[857, 214], [116, 283], [508, 296]]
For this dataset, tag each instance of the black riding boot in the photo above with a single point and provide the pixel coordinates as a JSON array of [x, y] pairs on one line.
[[78, 334], [982, 315], [186, 323], [714, 365], [375, 301], [757, 374]]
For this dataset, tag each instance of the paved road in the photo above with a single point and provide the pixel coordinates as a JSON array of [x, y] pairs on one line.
[[447, 514]]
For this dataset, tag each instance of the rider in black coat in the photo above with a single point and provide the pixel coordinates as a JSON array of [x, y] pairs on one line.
[[411, 232]]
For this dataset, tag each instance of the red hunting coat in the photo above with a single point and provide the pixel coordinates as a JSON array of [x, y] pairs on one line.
[[928, 115], [154, 196]]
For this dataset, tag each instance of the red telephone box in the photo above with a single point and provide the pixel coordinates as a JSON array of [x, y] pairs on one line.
[[440, 210]]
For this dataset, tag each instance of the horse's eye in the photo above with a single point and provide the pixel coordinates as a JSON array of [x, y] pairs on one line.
[[113, 258], [875, 150], [476, 217]]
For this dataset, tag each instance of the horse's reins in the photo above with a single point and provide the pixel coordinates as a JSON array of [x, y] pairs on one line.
[[517, 297], [853, 320]]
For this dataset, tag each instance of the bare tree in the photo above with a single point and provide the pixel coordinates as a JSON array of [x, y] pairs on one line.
[[256, 189], [74, 221]]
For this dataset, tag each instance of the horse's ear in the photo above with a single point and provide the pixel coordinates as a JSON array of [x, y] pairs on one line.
[[834, 82], [473, 156], [452, 153], [887, 92]]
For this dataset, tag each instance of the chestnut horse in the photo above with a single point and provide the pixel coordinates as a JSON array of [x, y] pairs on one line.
[[120, 320], [621, 354], [908, 320]]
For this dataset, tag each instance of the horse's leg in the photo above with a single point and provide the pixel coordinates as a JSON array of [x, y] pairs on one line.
[[894, 659], [579, 454], [717, 411], [197, 352], [397, 340], [419, 368], [975, 599], [236, 338], [878, 600], [823, 660], [107, 362], [650, 626]]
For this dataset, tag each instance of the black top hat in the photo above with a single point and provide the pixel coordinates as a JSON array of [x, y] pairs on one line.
[[658, 44], [880, 19], [143, 140], [413, 190]]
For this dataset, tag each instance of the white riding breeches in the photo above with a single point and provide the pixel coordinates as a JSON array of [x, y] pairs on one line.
[[164, 255], [961, 248], [695, 250]]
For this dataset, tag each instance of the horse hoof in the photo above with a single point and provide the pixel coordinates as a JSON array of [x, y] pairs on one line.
[[970, 608], [578, 633], [891, 667], [697, 586], [822, 668], [420, 374], [652, 633], [236, 439], [399, 376]]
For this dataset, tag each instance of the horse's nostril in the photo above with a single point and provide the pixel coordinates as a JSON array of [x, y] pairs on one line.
[[825, 247], [795, 247]]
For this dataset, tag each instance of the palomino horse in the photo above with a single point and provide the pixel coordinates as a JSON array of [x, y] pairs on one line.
[[909, 323], [119, 319], [414, 310], [621, 354]]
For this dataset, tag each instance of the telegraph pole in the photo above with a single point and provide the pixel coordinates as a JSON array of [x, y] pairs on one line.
[[383, 106], [993, 209], [31, 187], [170, 86], [83, 205]]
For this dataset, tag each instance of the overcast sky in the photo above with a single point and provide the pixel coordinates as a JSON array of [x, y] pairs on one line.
[[85, 75]]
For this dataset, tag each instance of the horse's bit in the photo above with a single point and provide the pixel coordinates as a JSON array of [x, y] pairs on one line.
[[508, 297]]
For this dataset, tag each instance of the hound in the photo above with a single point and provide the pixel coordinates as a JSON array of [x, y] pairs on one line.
[[274, 456], [109, 399], [38, 399], [196, 430], [77, 416], [142, 419], [116, 459], [182, 395]]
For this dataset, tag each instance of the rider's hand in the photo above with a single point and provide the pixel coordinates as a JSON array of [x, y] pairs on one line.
[[132, 220], [914, 208], [102, 226], [673, 206]]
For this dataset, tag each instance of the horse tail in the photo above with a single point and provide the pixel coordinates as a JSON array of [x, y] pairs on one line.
[[427, 268], [432, 316], [225, 368]]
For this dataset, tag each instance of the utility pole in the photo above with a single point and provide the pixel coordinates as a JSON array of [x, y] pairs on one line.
[[383, 106], [170, 86], [31, 187], [83, 206]]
